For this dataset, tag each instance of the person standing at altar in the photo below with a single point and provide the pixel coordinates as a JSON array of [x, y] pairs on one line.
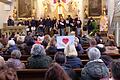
[[40, 28], [61, 26], [48, 24], [10, 21], [91, 25], [33, 22], [78, 24], [68, 21]]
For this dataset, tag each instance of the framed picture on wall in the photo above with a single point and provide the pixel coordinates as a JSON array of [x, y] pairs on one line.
[[24, 8], [95, 7]]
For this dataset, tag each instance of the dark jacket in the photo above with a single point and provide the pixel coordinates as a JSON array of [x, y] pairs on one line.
[[36, 62], [10, 22], [94, 70], [75, 62], [51, 50], [61, 24], [68, 69]]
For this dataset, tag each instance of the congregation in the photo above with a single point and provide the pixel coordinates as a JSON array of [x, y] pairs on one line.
[[60, 67]]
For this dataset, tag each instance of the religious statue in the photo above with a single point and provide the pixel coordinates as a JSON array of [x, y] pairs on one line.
[[72, 7], [86, 12], [60, 9], [15, 13], [104, 21], [47, 8], [33, 12]]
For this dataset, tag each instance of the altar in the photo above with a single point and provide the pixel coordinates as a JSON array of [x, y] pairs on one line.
[[8, 30]]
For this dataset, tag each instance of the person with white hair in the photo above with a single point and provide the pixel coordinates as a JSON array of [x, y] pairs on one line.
[[38, 58], [11, 46], [71, 54], [15, 60], [6, 73], [95, 69]]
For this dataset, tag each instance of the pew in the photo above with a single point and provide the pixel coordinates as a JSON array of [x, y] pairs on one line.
[[36, 74], [83, 61], [82, 57]]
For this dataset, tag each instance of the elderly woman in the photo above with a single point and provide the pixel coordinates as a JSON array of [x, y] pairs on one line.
[[38, 57], [95, 69], [11, 46], [15, 60], [71, 54], [6, 73]]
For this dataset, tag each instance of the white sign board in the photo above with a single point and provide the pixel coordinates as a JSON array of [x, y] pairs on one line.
[[62, 41]]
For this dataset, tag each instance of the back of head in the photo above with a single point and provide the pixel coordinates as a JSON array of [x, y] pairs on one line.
[[93, 42], [70, 50], [16, 54], [101, 48], [94, 53], [115, 69], [60, 58], [37, 49], [56, 72]]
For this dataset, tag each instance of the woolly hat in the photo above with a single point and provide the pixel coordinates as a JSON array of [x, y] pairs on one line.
[[94, 53], [70, 50], [37, 49], [16, 54], [101, 47], [11, 42]]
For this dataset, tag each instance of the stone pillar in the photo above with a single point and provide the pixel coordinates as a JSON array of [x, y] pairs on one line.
[[39, 8]]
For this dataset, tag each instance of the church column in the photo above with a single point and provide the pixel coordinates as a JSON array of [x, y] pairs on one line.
[[80, 9], [39, 8]]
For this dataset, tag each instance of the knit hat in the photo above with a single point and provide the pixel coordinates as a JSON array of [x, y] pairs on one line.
[[37, 49], [11, 42], [101, 47], [16, 54], [70, 50], [94, 53]]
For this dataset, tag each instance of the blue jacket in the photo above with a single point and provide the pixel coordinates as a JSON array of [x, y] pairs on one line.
[[11, 48], [75, 62]]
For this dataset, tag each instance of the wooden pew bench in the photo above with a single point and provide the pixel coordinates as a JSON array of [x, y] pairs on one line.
[[36, 74], [82, 57]]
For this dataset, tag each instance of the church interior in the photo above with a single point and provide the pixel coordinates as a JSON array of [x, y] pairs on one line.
[[45, 39]]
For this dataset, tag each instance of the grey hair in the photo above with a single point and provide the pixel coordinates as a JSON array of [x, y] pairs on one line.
[[94, 53], [16, 54], [37, 49]]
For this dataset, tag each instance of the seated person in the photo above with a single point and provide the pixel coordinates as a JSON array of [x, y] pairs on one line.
[[95, 69], [71, 54], [11, 46], [51, 49], [60, 58], [6, 72], [38, 58], [56, 72], [10, 22], [15, 60], [111, 48], [115, 70]]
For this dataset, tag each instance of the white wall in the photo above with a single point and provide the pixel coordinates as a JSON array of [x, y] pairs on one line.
[[110, 6], [4, 14]]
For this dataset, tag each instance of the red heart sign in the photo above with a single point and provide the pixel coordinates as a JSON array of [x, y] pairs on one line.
[[65, 40]]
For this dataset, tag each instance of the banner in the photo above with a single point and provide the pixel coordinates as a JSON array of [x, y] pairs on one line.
[[62, 41]]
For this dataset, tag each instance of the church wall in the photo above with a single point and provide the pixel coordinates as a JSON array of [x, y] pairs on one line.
[[4, 14]]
